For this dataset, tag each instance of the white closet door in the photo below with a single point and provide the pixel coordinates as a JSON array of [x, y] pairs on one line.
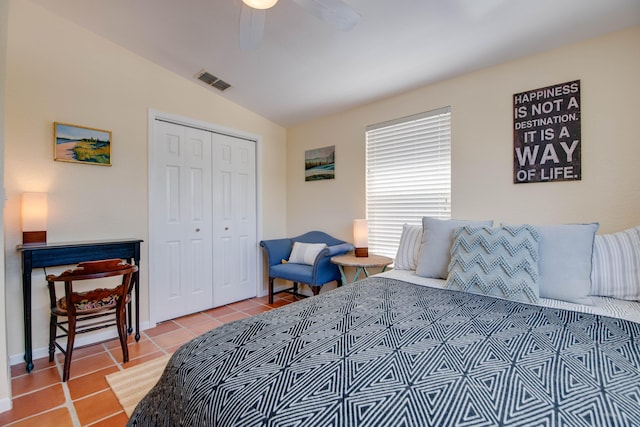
[[234, 205], [181, 221]]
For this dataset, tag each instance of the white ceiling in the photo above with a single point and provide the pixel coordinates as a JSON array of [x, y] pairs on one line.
[[305, 68]]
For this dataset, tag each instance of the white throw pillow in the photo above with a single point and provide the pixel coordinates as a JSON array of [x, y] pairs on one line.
[[616, 265], [305, 253], [409, 248]]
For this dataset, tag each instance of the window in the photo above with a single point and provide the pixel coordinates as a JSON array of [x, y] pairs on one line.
[[408, 166]]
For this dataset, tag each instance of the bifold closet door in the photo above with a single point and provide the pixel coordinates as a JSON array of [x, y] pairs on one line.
[[203, 220], [181, 221], [234, 212]]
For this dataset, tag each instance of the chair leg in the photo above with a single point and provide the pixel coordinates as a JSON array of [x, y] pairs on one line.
[[53, 328], [315, 290], [122, 332], [270, 290], [71, 337], [339, 282], [295, 288]]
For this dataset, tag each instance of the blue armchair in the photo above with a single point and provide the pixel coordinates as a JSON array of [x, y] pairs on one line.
[[321, 272]]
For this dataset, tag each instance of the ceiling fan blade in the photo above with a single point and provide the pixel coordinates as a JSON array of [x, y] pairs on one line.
[[335, 12], [251, 27]]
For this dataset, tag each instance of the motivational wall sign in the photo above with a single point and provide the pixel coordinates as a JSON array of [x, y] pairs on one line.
[[546, 134]]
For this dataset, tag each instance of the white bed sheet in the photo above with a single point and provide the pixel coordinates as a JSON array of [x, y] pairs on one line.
[[612, 307]]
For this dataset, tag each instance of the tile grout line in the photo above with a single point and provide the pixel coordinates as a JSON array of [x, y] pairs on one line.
[[120, 367], [112, 357], [71, 407], [68, 402]]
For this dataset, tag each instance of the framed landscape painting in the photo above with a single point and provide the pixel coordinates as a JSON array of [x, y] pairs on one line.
[[80, 144], [320, 163]]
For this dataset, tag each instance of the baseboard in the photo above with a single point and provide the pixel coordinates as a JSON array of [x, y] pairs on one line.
[[5, 404], [81, 341]]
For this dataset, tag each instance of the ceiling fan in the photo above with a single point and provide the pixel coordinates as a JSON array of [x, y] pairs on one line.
[[335, 12]]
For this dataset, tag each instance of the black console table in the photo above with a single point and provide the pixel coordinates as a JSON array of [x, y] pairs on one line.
[[59, 254]]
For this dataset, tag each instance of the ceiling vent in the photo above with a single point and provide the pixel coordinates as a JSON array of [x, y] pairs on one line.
[[212, 80]]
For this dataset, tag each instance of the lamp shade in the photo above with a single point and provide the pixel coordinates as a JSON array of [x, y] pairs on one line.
[[260, 4], [34, 217], [361, 237]]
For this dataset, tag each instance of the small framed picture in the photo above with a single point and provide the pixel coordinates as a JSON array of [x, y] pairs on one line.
[[320, 163], [80, 144]]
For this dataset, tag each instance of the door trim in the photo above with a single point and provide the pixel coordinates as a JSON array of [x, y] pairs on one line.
[[211, 127]]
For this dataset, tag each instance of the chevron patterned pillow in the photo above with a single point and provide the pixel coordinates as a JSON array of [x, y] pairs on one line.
[[500, 262], [437, 237]]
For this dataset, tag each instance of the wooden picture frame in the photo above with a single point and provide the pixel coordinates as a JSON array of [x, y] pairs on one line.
[[81, 144]]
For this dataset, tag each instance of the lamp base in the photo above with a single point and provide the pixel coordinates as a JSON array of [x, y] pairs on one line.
[[31, 237], [362, 252]]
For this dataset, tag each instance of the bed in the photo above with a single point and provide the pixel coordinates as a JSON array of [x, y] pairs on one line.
[[398, 349]]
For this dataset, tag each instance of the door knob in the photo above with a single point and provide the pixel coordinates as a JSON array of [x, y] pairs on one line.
[[197, 230]]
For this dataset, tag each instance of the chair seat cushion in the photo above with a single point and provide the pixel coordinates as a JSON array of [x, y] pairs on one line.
[[301, 273], [90, 302]]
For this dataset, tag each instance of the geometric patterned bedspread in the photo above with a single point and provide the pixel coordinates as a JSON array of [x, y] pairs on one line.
[[382, 352]]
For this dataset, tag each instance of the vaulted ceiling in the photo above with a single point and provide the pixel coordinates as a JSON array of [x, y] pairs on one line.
[[304, 68]]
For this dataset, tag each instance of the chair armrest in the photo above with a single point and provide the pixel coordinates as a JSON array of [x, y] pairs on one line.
[[276, 250], [323, 269], [340, 249]]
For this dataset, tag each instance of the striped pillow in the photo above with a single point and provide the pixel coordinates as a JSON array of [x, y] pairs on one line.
[[305, 253], [616, 265], [409, 248]]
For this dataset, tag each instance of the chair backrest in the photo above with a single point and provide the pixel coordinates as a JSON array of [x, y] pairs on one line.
[[317, 237], [94, 270]]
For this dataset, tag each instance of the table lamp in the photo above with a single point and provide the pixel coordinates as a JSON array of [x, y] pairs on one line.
[[361, 237], [34, 218]]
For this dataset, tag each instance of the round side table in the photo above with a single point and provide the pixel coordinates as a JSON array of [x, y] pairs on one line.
[[360, 263]]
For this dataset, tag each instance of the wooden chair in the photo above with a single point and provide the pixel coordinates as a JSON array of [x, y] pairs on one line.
[[89, 310]]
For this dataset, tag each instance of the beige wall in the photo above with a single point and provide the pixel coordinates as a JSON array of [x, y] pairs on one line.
[[482, 144], [57, 71], [5, 398]]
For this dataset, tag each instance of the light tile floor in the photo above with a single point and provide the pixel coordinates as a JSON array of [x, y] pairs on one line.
[[41, 399]]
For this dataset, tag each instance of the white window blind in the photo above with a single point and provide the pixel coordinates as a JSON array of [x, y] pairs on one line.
[[408, 165]]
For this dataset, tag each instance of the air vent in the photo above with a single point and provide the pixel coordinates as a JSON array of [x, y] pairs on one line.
[[212, 80]]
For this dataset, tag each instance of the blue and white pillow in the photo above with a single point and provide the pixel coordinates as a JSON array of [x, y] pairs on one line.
[[616, 265], [305, 253], [500, 262]]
